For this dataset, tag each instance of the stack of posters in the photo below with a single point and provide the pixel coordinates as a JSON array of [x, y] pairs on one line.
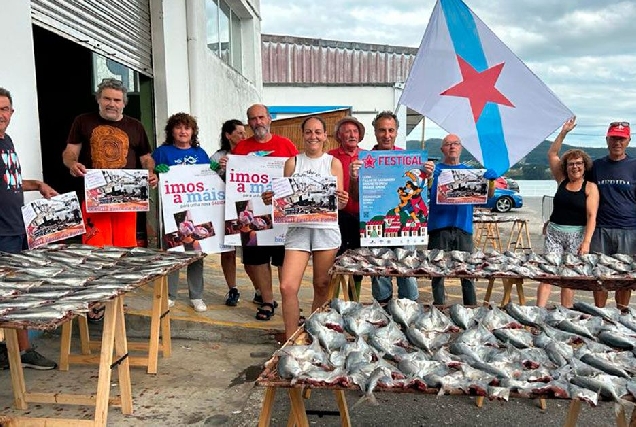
[[116, 190], [305, 198], [51, 220]]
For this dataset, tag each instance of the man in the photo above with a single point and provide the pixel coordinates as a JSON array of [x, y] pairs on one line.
[[615, 230], [108, 139], [259, 259], [450, 227], [12, 233], [385, 127], [349, 133]]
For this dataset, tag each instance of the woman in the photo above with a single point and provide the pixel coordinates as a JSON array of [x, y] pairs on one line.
[[573, 216], [232, 132], [320, 241], [181, 147]]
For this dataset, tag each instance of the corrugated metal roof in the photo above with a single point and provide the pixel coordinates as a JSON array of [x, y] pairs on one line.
[[289, 59]]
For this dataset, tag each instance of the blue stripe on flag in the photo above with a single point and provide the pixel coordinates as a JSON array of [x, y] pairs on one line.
[[463, 32]]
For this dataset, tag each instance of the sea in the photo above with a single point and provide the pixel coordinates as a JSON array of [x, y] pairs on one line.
[[537, 188]]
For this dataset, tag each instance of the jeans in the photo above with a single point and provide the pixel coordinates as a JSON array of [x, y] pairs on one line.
[[195, 281], [382, 288], [450, 239]]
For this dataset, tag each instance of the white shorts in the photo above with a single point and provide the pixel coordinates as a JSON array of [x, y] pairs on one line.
[[312, 239]]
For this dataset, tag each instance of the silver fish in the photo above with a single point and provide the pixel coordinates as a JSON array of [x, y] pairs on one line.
[[404, 310], [520, 338]]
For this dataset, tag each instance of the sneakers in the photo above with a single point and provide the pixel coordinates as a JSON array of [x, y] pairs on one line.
[[198, 305], [34, 360], [233, 297], [170, 303], [4, 356]]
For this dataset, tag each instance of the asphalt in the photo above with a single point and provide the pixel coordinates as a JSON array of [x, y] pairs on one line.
[[217, 355]]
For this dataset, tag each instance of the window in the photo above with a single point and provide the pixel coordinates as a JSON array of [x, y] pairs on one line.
[[224, 32], [104, 68]]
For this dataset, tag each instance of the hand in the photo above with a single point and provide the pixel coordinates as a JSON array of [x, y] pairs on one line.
[[569, 125], [77, 169], [46, 191], [491, 174], [584, 248], [214, 165], [429, 167], [267, 197], [153, 179], [162, 168], [343, 198], [354, 169], [223, 162]]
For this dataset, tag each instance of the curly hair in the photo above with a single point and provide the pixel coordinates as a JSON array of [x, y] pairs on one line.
[[112, 84], [575, 154], [228, 127], [182, 119]]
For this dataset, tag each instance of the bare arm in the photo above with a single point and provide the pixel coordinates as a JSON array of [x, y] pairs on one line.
[[147, 162], [553, 152], [70, 157], [591, 205], [354, 169], [341, 194], [35, 185]]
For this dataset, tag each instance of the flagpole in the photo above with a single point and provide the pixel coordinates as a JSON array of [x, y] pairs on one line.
[[423, 140]]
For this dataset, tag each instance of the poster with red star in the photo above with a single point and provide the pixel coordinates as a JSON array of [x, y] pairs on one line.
[[393, 198]]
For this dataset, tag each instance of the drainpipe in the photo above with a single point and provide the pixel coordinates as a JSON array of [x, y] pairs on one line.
[[193, 57]]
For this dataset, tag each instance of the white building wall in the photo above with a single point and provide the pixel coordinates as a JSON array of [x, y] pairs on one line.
[[365, 103], [17, 74]]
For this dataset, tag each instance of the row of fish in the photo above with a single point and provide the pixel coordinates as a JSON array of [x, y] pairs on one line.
[[52, 282], [579, 353], [436, 262]]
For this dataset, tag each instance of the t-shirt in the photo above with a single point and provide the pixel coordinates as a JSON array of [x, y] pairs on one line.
[[316, 167], [277, 146], [616, 182], [353, 206], [11, 193], [172, 155], [446, 216], [107, 144]]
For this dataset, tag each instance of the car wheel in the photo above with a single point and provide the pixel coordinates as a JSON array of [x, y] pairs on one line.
[[503, 204]]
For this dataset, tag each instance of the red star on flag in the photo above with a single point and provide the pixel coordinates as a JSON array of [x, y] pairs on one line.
[[369, 162], [478, 87]]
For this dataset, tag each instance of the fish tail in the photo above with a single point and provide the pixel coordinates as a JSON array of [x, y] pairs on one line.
[[366, 398]]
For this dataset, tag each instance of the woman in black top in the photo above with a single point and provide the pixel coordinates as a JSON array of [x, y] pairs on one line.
[[573, 216]]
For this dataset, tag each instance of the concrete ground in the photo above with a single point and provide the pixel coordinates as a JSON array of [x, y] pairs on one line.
[[218, 354]]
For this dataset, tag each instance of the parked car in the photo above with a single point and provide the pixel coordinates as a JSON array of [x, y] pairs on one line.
[[503, 200], [506, 183]]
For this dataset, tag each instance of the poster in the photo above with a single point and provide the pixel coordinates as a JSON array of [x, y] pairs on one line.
[[462, 187], [116, 190], [393, 198], [51, 220], [248, 221], [306, 198], [193, 207]]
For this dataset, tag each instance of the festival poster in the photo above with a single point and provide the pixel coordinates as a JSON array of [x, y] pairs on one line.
[[393, 198], [306, 198], [462, 187], [193, 208], [116, 190], [54, 219], [248, 221]]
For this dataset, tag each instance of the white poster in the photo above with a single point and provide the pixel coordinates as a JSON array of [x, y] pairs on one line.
[[462, 187], [193, 204], [305, 198], [248, 221], [116, 190], [51, 220]]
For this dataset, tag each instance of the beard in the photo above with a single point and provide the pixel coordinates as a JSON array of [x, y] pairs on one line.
[[260, 132]]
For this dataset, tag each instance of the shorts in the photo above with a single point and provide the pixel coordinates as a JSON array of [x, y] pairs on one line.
[[110, 228], [611, 241], [258, 255], [559, 242], [13, 244], [312, 239]]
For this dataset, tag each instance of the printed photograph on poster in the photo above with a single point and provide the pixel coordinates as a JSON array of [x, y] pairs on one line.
[[462, 187], [193, 207], [116, 190], [305, 198], [52, 220], [248, 221], [393, 198]]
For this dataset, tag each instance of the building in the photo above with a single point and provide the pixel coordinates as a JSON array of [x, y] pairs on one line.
[[305, 75], [197, 56]]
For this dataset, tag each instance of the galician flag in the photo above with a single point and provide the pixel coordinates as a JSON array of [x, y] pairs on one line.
[[470, 83]]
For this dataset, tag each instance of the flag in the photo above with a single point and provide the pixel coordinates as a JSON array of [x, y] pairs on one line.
[[471, 84]]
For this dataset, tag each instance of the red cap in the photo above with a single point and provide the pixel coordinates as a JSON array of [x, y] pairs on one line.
[[620, 129]]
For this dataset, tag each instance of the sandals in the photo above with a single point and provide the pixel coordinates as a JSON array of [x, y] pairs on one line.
[[262, 314], [258, 300], [96, 313]]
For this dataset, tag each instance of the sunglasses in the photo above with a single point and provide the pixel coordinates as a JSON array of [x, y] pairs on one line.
[[624, 124]]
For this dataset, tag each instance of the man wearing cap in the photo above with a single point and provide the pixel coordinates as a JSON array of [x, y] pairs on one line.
[[615, 230], [349, 132]]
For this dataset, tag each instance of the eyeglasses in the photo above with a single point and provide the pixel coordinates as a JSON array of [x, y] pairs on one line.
[[451, 144], [579, 163], [6, 110], [624, 124]]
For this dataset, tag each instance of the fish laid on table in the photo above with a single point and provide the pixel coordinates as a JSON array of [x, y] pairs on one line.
[[404, 310], [389, 341], [366, 319], [496, 318], [602, 363], [431, 341], [329, 339], [607, 386], [431, 319], [295, 360], [344, 307], [526, 314], [465, 317], [520, 338], [36, 315]]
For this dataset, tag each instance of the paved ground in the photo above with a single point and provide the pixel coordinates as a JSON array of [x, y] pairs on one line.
[[217, 355]]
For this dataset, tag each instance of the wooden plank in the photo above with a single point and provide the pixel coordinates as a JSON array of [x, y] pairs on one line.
[[507, 284], [266, 411], [573, 414], [121, 350], [106, 360], [49, 422], [94, 359], [632, 421], [65, 345], [166, 339], [479, 401], [298, 407], [15, 365], [522, 297], [621, 416], [85, 340], [341, 400], [155, 325], [491, 282], [69, 399]]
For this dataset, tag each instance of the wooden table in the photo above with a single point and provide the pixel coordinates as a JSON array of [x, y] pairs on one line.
[[113, 340]]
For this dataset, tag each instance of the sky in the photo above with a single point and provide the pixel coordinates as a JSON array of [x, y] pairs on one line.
[[583, 50]]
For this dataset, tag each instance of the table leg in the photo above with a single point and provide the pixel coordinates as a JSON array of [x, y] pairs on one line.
[[522, 297], [155, 325], [85, 339], [166, 340], [121, 350], [632, 421], [507, 284], [491, 282], [298, 407], [266, 411], [573, 413], [105, 362], [345, 421], [65, 345], [479, 401], [334, 286], [15, 364], [621, 416]]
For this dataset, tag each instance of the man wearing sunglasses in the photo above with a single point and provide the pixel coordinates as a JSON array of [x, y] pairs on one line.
[[615, 230]]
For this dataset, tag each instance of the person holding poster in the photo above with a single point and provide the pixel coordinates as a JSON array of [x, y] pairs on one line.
[[450, 227], [259, 259], [320, 241], [181, 147], [13, 237]]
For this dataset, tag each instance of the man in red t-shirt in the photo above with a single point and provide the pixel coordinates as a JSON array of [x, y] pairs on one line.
[[258, 260]]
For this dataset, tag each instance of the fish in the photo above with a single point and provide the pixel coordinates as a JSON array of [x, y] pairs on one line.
[[378, 374], [462, 316], [617, 340], [628, 319], [417, 367], [295, 360], [526, 315], [583, 394], [366, 319], [328, 318], [404, 310], [558, 352], [322, 377], [344, 307], [575, 327], [329, 339], [430, 341], [433, 320], [520, 338], [499, 319], [605, 385], [604, 365], [498, 393], [389, 341]]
